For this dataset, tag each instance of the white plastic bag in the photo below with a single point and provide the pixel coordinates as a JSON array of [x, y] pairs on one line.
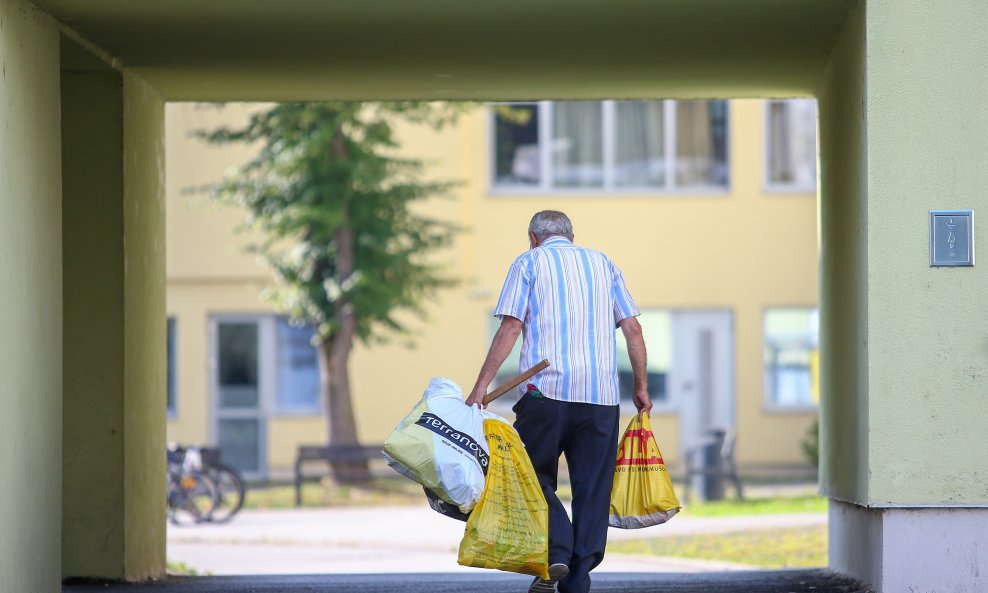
[[441, 445]]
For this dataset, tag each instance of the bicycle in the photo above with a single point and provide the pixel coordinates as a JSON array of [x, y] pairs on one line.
[[192, 496], [230, 486]]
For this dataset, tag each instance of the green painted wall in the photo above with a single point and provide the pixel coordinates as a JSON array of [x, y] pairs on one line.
[[144, 329], [927, 139], [449, 49], [844, 283], [114, 414], [93, 356], [30, 301]]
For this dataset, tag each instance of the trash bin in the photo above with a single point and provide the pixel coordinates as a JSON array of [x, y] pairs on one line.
[[712, 478]]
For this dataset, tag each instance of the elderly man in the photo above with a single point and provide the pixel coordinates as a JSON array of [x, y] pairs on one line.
[[567, 300]]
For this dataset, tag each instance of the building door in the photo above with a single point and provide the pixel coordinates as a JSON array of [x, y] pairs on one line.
[[238, 426], [702, 372]]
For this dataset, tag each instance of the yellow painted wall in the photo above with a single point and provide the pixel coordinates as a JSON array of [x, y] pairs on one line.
[[754, 250]]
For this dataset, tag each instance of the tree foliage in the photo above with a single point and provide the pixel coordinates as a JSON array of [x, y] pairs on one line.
[[328, 184]]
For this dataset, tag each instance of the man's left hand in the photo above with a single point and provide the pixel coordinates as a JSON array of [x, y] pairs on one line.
[[642, 401]]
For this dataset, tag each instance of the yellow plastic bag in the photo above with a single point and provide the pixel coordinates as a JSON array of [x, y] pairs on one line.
[[642, 493], [509, 527]]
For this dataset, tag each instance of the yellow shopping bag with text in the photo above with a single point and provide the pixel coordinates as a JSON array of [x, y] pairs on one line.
[[509, 527], [642, 493]]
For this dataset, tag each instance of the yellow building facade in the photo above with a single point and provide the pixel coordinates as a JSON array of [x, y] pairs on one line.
[[711, 215]]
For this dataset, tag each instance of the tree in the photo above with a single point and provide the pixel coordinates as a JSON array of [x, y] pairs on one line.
[[811, 444], [332, 205]]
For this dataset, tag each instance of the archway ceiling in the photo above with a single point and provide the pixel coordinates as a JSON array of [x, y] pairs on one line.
[[446, 49]]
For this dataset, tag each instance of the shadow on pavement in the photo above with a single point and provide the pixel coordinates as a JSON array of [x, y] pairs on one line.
[[776, 581]]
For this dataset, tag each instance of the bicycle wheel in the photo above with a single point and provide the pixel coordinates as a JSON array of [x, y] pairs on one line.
[[231, 492], [194, 499]]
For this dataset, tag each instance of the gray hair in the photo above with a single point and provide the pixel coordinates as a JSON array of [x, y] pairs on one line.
[[548, 223]]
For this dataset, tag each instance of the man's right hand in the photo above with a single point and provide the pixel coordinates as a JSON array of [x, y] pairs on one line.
[[504, 340], [476, 397]]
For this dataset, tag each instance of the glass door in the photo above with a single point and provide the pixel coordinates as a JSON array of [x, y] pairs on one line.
[[238, 420]]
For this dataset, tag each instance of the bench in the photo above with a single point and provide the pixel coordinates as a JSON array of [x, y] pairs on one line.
[[329, 454]]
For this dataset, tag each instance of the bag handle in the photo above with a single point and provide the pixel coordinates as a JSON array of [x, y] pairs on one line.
[[515, 382]]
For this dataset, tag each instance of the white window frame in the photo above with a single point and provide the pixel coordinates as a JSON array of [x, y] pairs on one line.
[[768, 404], [267, 384], [267, 372], [772, 187], [608, 118]]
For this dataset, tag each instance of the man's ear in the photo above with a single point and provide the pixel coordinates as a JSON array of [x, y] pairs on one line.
[[533, 240]]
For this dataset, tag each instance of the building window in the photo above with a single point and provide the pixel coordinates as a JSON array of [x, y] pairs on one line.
[[604, 146], [264, 367], [517, 159], [172, 407], [267, 363], [577, 145], [639, 144], [701, 143], [239, 365], [657, 332], [791, 357], [790, 153], [298, 368]]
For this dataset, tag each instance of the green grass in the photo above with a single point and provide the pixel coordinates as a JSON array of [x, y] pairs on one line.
[[793, 547], [758, 506], [181, 569], [377, 492]]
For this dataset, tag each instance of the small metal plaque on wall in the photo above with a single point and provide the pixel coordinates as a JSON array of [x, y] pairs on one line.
[[951, 238]]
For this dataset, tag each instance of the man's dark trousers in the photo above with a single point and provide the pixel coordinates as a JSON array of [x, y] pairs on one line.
[[587, 435]]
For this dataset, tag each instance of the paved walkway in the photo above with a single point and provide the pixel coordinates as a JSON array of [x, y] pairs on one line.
[[493, 582], [413, 550], [401, 540]]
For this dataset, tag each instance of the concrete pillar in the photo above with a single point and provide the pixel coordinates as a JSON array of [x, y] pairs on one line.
[[114, 358], [30, 301], [904, 129], [145, 334], [843, 268]]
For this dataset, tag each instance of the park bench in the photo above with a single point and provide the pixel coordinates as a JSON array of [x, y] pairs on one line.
[[328, 454]]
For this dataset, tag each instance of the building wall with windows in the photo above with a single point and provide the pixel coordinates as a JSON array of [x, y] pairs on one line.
[[709, 208]]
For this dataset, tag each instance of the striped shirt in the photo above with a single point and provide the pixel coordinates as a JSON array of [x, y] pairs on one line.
[[570, 300]]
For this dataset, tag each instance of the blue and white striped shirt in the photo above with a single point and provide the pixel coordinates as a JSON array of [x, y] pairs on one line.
[[570, 300]]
